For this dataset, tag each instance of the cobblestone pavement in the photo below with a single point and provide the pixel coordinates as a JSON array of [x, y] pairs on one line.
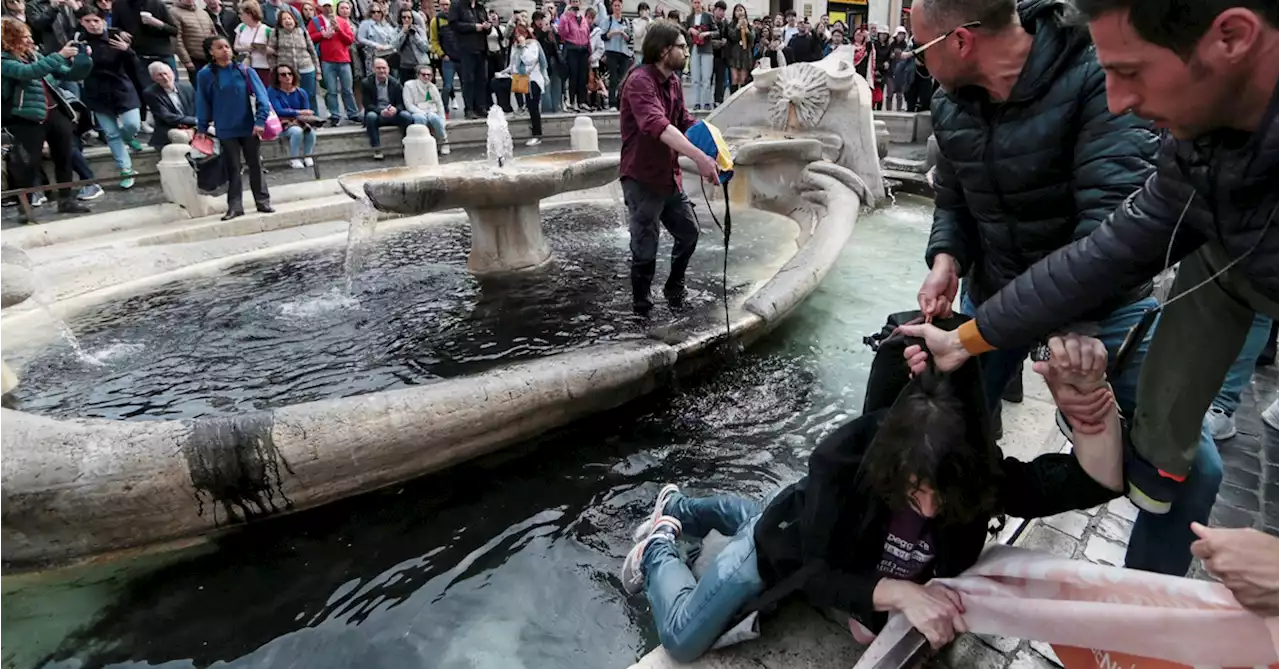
[[1247, 499], [149, 192]]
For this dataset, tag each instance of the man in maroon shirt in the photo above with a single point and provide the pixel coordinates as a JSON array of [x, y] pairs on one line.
[[653, 119]]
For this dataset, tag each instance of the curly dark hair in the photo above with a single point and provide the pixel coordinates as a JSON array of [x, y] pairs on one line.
[[929, 439]]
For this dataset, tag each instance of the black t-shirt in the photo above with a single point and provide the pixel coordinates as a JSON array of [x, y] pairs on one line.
[[908, 547]]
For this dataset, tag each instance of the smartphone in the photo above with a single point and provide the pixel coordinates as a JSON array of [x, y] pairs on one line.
[[113, 33]]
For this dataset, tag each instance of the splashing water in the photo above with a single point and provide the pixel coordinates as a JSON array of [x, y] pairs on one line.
[[499, 149], [364, 221], [65, 331]]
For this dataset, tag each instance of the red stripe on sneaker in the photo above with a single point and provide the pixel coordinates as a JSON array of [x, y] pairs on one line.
[[1167, 475]]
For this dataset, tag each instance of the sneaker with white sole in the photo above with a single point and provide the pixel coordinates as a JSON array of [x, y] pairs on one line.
[[659, 510], [444, 149], [666, 529], [38, 199], [308, 162], [296, 164], [1221, 425], [1271, 415], [534, 141], [90, 192]]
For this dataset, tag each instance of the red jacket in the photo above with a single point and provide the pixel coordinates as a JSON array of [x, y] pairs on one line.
[[336, 49]]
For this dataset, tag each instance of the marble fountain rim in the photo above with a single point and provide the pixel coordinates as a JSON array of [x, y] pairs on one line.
[[139, 486]]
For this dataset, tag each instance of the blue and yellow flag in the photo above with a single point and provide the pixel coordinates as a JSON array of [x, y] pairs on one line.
[[708, 139]]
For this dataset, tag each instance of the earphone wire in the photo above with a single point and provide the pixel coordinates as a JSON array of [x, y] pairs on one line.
[[1168, 255]]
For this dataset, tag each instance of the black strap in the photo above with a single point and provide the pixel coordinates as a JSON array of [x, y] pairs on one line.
[[782, 589]]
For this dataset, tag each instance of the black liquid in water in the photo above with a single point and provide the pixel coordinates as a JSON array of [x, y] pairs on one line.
[[280, 331], [496, 563]]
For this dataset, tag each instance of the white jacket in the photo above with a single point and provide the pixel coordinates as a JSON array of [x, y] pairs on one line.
[[423, 98]]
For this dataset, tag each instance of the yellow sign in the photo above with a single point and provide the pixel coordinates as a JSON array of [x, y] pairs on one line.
[[836, 16]]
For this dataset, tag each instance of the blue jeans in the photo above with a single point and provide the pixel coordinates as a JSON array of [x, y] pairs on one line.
[[337, 76], [448, 70], [690, 614], [301, 142], [1242, 370], [373, 121], [119, 131], [702, 66], [307, 82], [1159, 543], [435, 123], [554, 99]]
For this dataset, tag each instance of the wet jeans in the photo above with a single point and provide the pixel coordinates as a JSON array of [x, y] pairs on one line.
[[1159, 543], [1242, 369], [645, 209], [691, 614]]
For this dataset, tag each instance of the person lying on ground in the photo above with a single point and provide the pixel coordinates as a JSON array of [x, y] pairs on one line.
[[898, 496]]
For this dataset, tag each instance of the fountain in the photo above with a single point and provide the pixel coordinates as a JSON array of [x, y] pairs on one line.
[[501, 198], [252, 401]]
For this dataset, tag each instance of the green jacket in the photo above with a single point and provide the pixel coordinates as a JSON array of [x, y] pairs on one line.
[[22, 94]]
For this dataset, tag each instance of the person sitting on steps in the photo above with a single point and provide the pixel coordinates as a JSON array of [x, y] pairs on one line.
[[902, 494]]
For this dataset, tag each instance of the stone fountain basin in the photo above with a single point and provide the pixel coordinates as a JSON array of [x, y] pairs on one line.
[[418, 190], [80, 488]]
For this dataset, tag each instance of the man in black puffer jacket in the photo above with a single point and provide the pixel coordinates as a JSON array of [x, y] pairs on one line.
[[1207, 71], [1030, 159]]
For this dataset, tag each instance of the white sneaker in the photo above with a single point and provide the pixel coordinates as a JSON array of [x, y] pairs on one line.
[[444, 149], [1221, 425], [146, 127], [1271, 415], [533, 142], [666, 529], [659, 510], [38, 199], [308, 162], [296, 164]]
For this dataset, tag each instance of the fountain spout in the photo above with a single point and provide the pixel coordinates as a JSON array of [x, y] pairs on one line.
[[499, 148]]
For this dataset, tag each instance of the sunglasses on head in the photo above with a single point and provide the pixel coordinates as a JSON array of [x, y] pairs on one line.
[[918, 51]]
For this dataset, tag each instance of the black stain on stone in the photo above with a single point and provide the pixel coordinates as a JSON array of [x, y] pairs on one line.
[[234, 465]]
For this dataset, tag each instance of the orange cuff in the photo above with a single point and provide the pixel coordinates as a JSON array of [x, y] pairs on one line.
[[971, 339]]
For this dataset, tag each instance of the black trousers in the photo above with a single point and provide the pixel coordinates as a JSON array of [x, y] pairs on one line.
[[251, 148], [617, 65], [717, 77], [30, 137], [645, 210], [576, 59], [475, 83], [535, 108], [197, 64]]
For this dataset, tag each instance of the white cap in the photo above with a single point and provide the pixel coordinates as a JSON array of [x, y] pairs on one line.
[[900, 29]]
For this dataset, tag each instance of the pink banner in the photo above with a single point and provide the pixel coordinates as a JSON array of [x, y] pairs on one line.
[[1102, 617]]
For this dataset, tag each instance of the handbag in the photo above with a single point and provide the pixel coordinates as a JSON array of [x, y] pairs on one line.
[[273, 127], [520, 84]]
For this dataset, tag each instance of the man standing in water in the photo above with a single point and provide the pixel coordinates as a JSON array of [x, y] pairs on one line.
[[1207, 72], [654, 119]]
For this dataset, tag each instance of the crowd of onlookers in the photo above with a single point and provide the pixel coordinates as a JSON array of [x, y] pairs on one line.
[[112, 67]]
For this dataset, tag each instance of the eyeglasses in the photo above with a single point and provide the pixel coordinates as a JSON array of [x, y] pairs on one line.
[[425, 74], [284, 74], [918, 51], [681, 45]]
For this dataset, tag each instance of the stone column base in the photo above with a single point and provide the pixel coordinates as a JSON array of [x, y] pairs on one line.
[[506, 239]]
